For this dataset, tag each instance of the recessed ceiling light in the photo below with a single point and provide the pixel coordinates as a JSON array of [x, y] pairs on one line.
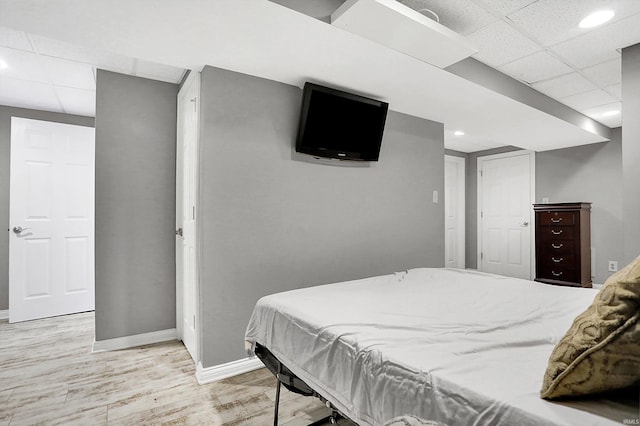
[[458, 133], [3, 64], [610, 113], [596, 18]]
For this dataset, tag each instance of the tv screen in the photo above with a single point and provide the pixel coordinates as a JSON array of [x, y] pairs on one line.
[[337, 124]]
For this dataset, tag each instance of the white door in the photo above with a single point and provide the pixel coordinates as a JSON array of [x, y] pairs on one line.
[[186, 187], [505, 197], [454, 211], [51, 214]]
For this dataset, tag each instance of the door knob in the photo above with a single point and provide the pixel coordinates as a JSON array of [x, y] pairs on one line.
[[179, 231], [525, 223], [19, 229]]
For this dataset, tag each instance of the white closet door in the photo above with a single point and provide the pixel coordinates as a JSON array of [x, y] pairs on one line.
[[454, 211], [51, 219], [186, 190], [505, 195]]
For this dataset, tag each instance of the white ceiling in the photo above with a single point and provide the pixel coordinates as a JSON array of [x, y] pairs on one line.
[[537, 42], [51, 75]]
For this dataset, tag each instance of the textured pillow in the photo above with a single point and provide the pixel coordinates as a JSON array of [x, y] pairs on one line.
[[601, 350]]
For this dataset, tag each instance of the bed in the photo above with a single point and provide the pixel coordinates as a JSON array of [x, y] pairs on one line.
[[453, 346]]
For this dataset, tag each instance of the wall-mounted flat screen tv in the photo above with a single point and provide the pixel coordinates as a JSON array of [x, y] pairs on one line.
[[337, 124]]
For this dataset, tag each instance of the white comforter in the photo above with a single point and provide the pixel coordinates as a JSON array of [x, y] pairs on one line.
[[454, 346]]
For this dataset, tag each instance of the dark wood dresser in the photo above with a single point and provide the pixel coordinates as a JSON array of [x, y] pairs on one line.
[[563, 243]]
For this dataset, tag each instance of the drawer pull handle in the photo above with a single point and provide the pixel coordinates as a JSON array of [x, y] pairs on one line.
[[557, 260], [556, 274], [558, 220], [554, 232], [557, 246]]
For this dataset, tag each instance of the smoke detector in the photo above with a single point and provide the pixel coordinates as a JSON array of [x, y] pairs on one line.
[[422, 7]]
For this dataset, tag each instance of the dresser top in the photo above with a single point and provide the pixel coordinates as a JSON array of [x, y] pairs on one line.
[[563, 206]]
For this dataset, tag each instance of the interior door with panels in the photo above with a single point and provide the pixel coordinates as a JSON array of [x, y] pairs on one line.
[[454, 211], [505, 195], [186, 214], [51, 214]]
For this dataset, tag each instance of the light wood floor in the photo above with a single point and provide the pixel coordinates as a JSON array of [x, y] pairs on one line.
[[48, 375]]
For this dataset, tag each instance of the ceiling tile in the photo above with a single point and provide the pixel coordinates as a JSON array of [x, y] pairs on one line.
[[566, 85], [505, 7], [161, 72], [70, 73], [99, 58], [615, 90], [28, 94], [605, 74], [14, 39], [588, 100], [611, 120], [552, 21], [536, 67], [77, 101], [61, 49], [513, 45], [600, 45], [22, 65], [461, 16]]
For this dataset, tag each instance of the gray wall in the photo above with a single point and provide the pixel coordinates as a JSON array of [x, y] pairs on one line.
[[5, 144], [135, 205], [271, 221], [631, 150], [590, 173]]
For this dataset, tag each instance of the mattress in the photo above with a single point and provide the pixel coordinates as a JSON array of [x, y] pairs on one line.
[[454, 346]]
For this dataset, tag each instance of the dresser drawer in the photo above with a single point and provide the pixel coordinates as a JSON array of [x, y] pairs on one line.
[[558, 273], [557, 232], [549, 261], [553, 247], [557, 218]]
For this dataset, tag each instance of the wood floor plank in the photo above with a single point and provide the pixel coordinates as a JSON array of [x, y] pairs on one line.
[[48, 375]]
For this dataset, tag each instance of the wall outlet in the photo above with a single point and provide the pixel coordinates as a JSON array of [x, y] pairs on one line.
[[613, 266], [545, 200]]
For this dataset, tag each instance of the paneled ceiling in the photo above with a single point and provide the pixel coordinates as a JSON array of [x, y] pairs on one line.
[[51, 75], [538, 42]]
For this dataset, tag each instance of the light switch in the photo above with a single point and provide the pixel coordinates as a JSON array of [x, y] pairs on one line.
[[435, 196]]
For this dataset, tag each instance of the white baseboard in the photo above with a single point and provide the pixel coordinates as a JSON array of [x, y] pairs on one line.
[[4, 314], [230, 369], [135, 340]]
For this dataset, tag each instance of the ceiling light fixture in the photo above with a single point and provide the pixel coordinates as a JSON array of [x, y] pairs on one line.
[[458, 133], [3, 64], [610, 113], [596, 18]]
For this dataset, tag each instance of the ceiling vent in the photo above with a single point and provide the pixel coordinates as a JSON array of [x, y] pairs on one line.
[[400, 27]]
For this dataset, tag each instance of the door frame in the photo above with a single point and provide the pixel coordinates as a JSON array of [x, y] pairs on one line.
[[461, 214], [532, 189], [183, 102]]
